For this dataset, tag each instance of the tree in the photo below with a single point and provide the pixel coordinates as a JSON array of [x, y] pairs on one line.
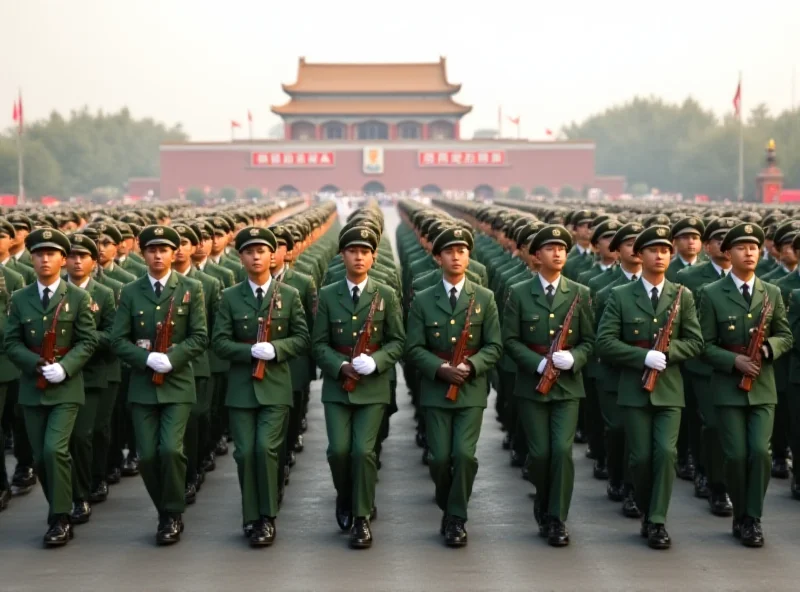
[[638, 189], [515, 192], [542, 191], [228, 193], [253, 193], [567, 191], [196, 195]]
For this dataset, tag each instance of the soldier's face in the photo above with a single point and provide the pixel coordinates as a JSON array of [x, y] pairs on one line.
[[79, 265], [159, 259], [69, 226], [48, 262], [358, 260], [106, 252], [788, 255], [453, 260], [185, 251], [19, 237], [278, 257], [603, 250], [5, 245], [656, 259], [552, 257], [713, 250], [583, 232], [688, 245], [125, 247], [744, 257], [203, 249], [256, 259], [627, 255], [218, 243]]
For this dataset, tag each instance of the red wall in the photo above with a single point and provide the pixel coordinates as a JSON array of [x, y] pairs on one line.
[[219, 167]]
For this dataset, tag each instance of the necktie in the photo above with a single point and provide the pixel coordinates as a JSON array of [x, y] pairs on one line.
[[355, 295], [654, 298], [45, 298], [453, 298], [634, 278], [158, 287], [550, 294], [746, 293], [260, 296], [722, 273]]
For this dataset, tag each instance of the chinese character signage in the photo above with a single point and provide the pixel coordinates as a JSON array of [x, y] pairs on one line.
[[460, 158], [373, 160], [292, 159]]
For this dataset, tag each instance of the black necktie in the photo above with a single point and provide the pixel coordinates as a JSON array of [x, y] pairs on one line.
[[634, 278], [45, 298], [654, 298], [355, 295], [746, 293], [158, 287], [453, 298], [260, 296], [722, 273], [550, 294]]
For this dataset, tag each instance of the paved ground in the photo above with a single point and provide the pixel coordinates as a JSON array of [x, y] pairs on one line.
[[116, 550]]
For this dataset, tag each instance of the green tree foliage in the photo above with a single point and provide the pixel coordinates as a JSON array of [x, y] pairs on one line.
[[567, 191], [253, 193], [515, 192], [228, 193], [542, 191], [73, 155], [685, 148], [196, 195]]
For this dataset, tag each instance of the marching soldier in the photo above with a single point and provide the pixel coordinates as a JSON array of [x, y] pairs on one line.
[[161, 391], [626, 336], [51, 389], [258, 405], [535, 312], [436, 320], [730, 310], [353, 417]]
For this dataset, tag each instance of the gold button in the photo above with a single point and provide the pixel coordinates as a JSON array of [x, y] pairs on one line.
[[749, 316], [355, 318], [570, 331], [552, 332], [531, 329], [552, 316], [436, 334], [354, 333], [636, 331], [158, 308], [655, 320], [453, 339], [44, 319], [279, 327], [452, 321]]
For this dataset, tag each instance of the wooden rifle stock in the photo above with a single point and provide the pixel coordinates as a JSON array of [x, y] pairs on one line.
[[349, 384], [164, 338], [551, 373], [49, 345], [754, 347], [460, 348], [264, 334], [662, 343]]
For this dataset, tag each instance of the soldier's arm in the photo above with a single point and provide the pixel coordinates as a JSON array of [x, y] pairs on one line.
[[196, 341], [491, 341], [222, 342], [298, 341], [417, 352], [394, 336], [84, 337], [793, 312], [689, 343], [585, 349], [17, 352], [310, 304], [512, 340], [129, 352], [107, 314], [780, 338], [610, 346], [721, 359], [328, 359]]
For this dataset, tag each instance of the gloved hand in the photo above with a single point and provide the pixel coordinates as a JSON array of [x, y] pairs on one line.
[[364, 364], [54, 373], [765, 351], [542, 364], [159, 362], [563, 360], [263, 351], [465, 367], [655, 360]]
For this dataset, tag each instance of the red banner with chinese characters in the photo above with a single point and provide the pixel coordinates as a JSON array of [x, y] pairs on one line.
[[293, 159], [434, 158]]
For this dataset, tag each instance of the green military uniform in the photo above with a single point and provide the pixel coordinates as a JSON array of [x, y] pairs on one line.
[[745, 419], [793, 307], [50, 412], [160, 412], [652, 420]]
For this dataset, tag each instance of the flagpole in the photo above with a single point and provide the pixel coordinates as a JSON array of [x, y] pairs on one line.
[[20, 169], [741, 145]]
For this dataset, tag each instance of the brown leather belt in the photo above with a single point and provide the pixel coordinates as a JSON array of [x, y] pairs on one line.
[[737, 349], [348, 350], [543, 350], [642, 344], [58, 351], [449, 355]]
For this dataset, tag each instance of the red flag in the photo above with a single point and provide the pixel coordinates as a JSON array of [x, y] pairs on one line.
[[19, 112], [235, 123], [16, 112], [548, 132], [737, 100], [514, 120], [249, 116]]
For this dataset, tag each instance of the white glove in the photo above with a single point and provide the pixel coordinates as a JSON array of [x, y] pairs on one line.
[[364, 364], [263, 351], [542, 364], [54, 373], [765, 352], [655, 360], [159, 362], [563, 360], [464, 366]]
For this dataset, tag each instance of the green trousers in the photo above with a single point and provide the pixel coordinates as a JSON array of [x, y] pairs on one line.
[[198, 418], [49, 430], [258, 435], [452, 441], [352, 435], [159, 433], [616, 446], [3, 475], [550, 431], [81, 445], [710, 458], [745, 434], [794, 421], [23, 450], [101, 441], [652, 436]]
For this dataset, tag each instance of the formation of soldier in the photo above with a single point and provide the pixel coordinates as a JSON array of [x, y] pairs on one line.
[[136, 343]]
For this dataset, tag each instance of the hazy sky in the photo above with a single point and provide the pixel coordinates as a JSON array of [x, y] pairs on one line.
[[203, 63]]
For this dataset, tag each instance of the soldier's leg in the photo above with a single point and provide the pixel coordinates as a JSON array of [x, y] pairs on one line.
[[130, 431], [146, 422], [759, 427], [794, 435], [339, 426], [56, 458], [243, 429], [594, 422], [563, 422], [23, 451], [191, 437], [217, 403], [367, 422], [615, 436], [666, 426], [117, 444], [732, 423], [80, 446], [710, 460], [101, 440], [439, 434], [683, 433], [172, 460], [270, 437], [780, 430], [204, 398], [4, 484], [35, 421], [295, 417], [535, 421], [466, 431], [639, 438]]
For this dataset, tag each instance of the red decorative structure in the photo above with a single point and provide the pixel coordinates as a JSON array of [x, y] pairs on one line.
[[769, 182]]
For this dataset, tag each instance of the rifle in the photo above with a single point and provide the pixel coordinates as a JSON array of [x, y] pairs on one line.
[[459, 349], [163, 339], [264, 331], [551, 373], [662, 343], [754, 347], [360, 347], [49, 345]]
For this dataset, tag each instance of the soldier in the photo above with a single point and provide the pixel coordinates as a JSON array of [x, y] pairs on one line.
[[353, 418], [79, 265], [51, 406], [436, 320], [258, 407], [634, 315], [534, 311], [161, 390], [107, 253], [125, 251], [730, 310], [581, 256]]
